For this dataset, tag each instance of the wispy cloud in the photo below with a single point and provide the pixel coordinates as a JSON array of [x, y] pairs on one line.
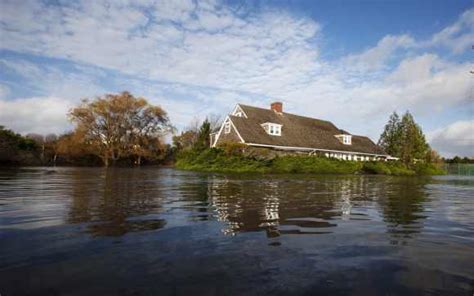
[[196, 58], [455, 139]]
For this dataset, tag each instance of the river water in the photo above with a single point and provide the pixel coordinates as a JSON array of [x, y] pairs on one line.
[[152, 231]]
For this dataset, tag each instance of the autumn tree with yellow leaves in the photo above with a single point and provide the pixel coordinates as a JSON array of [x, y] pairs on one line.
[[117, 126]]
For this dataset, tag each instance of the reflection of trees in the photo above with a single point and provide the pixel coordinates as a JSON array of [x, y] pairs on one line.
[[403, 207], [111, 198]]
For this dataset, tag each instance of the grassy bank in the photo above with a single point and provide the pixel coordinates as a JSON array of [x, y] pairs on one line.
[[218, 160]]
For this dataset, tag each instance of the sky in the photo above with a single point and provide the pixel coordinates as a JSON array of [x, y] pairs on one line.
[[350, 62]]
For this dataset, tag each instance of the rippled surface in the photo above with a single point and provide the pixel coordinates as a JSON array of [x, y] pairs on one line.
[[90, 231]]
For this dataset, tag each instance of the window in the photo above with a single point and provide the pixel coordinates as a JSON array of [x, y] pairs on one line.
[[273, 129], [238, 114], [227, 128], [345, 139]]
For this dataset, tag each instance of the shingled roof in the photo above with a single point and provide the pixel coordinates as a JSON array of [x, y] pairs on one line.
[[297, 131]]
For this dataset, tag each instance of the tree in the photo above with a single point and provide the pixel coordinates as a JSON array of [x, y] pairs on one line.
[[116, 126], [203, 136], [404, 139], [390, 139], [15, 148], [432, 156], [46, 145], [40, 141], [185, 140], [413, 142]]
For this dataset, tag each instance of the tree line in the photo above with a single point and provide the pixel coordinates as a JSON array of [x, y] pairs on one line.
[[121, 129]]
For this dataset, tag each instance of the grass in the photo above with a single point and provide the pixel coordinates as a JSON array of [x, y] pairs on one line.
[[220, 160]]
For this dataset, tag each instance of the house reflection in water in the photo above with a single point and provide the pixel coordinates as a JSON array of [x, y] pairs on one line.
[[115, 202], [277, 206], [282, 205]]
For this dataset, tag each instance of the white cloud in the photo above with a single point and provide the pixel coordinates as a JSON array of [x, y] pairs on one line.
[[35, 115], [204, 57], [458, 36], [376, 57], [455, 139]]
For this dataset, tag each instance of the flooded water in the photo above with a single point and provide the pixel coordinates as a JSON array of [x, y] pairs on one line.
[[150, 231]]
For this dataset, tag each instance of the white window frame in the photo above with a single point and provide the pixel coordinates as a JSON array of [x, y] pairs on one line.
[[273, 129], [346, 139], [227, 127]]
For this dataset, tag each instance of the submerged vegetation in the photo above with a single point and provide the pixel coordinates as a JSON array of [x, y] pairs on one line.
[[229, 160]]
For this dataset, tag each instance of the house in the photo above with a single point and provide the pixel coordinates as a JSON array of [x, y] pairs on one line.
[[274, 129]]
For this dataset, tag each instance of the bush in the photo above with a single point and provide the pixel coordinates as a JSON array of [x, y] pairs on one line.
[[232, 148], [375, 168], [313, 165], [387, 168], [230, 159], [428, 169]]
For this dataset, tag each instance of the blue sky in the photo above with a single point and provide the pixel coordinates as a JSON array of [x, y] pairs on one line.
[[346, 61]]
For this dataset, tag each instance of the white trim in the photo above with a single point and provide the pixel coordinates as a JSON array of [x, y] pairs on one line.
[[268, 122], [220, 131], [314, 149], [227, 119], [238, 134], [344, 138], [267, 126], [237, 109]]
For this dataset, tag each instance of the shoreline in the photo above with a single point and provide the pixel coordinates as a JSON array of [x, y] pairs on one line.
[[218, 161]]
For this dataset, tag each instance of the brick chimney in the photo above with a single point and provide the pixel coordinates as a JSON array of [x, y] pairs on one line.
[[277, 107]]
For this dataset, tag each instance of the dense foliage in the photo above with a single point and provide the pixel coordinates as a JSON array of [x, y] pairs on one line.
[[120, 126], [16, 149], [403, 138], [229, 159]]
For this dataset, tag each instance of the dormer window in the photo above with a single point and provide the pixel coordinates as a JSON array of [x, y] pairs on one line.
[[273, 129], [345, 139]]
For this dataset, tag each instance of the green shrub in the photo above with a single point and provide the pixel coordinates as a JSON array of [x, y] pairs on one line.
[[232, 148], [387, 168], [313, 165], [375, 168], [428, 169], [230, 159]]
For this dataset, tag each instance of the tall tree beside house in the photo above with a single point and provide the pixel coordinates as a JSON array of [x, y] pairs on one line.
[[203, 136], [120, 125], [390, 139], [197, 135], [403, 138], [413, 141]]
